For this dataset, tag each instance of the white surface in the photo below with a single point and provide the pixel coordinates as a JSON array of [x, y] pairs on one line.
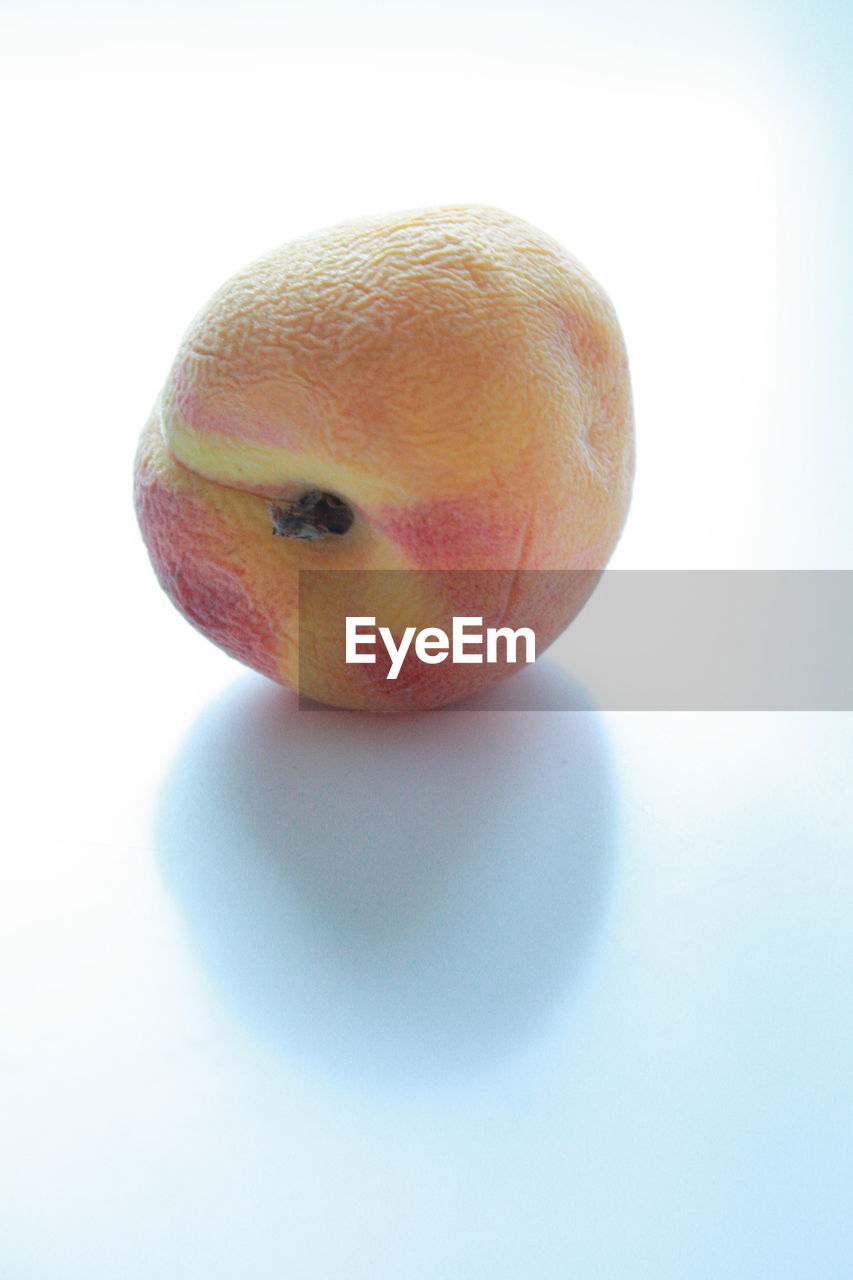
[[485, 994]]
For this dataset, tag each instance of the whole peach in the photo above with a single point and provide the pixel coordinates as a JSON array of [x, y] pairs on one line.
[[443, 393]]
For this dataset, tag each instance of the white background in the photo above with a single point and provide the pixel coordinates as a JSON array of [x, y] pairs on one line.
[[493, 994]]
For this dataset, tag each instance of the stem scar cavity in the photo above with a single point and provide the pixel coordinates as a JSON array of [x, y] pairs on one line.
[[311, 516]]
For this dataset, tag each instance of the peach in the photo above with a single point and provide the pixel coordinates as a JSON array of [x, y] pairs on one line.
[[432, 410]]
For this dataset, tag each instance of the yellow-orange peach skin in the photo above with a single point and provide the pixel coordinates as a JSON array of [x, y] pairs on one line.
[[453, 377]]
